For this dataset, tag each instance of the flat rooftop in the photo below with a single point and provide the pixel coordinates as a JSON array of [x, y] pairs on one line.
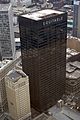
[[43, 116], [15, 75], [70, 68], [4, 63], [76, 64], [4, 7], [64, 114], [38, 15], [73, 75], [17, 40], [71, 51]]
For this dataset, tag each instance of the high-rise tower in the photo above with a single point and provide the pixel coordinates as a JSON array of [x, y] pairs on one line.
[[7, 43], [76, 19], [17, 89], [5, 67], [43, 47]]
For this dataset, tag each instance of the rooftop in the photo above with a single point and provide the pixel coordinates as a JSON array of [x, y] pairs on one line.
[[22, 10], [68, 55], [71, 51], [70, 68], [73, 75], [43, 116], [64, 114], [74, 38], [75, 64], [4, 63], [67, 6], [17, 39], [73, 70], [15, 75], [4, 7], [38, 15]]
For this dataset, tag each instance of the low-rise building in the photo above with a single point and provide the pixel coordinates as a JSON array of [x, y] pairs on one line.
[[64, 113], [73, 43], [73, 78], [72, 55]]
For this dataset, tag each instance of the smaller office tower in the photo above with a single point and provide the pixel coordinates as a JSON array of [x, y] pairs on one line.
[[5, 67], [17, 89], [76, 20], [7, 43]]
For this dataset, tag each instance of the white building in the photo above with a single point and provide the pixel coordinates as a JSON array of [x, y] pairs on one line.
[[7, 43], [5, 67], [17, 89]]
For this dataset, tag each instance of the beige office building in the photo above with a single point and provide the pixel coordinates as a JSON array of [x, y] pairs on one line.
[[5, 67], [17, 89]]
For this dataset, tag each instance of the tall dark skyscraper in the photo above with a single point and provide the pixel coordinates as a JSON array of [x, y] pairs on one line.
[[43, 47]]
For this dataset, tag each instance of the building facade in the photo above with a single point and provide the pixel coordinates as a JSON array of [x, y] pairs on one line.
[[73, 78], [43, 47], [7, 47], [17, 89], [76, 20]]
